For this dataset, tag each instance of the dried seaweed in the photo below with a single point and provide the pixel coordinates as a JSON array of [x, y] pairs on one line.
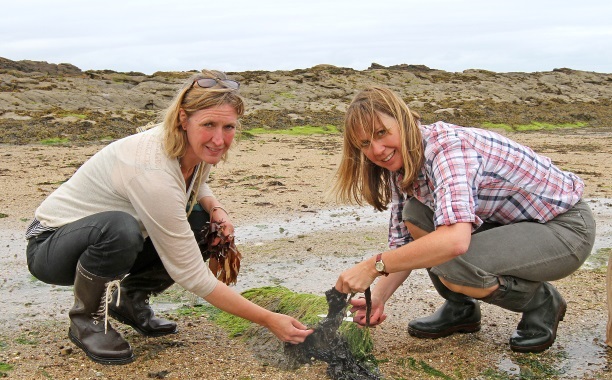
[[327, 345], [368, 298], [224, 258]]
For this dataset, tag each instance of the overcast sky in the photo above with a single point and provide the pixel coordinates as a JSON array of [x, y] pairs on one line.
[[240, 35]]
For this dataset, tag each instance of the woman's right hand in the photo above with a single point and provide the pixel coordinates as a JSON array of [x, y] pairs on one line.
[[377, 315], [288, 329]]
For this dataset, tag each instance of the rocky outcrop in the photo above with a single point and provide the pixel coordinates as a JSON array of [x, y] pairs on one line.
[[38, 66], [41, 100]]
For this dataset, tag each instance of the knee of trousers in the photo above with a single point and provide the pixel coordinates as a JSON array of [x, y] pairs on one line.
[[118, 245], [416, 213], [123, 227], [460, 272]]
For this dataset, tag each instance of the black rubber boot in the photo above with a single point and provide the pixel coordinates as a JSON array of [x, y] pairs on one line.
[[459, 313], [542, 307], [134, 308], [88, 326]]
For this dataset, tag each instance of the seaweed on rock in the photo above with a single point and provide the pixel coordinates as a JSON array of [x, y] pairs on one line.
[[326, 344]]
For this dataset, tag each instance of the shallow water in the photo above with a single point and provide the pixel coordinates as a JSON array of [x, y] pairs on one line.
[[24, 297], [344, 218], [602, 210]]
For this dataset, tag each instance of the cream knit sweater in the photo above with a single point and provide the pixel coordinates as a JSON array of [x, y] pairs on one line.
[[135, 175]]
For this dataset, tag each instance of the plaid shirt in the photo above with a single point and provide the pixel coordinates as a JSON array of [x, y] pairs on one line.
[[473, 175]]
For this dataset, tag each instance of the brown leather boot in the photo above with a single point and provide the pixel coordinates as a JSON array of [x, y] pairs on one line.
[[134, 308], [542, 307], [89, 329], [459, 313]]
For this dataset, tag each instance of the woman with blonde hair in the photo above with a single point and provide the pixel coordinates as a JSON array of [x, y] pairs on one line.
[[490, 220], [122, 227]]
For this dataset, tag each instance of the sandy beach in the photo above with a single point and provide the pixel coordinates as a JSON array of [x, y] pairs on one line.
[[293, 233]]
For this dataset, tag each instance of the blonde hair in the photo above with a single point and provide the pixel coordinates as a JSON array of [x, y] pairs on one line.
[[359, 178], [191, 99]]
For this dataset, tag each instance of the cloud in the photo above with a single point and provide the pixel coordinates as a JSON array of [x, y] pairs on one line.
[[238, 35]]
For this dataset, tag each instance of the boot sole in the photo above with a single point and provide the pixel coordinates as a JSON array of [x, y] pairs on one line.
[[463, 329], [142, 332], [546, 345], [99, 359]]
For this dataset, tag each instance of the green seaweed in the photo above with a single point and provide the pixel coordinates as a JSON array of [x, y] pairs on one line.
[[533, 126], [599, 260], [304, 307], [4, 368], [421, 366], [54, 141]]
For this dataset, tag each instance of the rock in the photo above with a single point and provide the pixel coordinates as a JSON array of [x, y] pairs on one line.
[[449, 111], [38, 66], [35, 97], [14, 116]]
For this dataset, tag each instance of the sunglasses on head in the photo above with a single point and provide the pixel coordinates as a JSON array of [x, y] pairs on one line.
[[212, 82]]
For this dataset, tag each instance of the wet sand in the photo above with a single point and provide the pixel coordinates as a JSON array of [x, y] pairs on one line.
[[293, 234]]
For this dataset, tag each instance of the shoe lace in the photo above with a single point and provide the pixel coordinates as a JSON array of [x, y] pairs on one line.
[[107, 298]]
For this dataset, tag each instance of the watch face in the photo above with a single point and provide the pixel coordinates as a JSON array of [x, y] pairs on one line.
[[380, 266]]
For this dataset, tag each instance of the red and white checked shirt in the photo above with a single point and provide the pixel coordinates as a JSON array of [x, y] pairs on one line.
[[474, 175]]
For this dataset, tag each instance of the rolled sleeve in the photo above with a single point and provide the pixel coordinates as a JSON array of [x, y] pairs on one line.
[[453, 206], [454, 170]]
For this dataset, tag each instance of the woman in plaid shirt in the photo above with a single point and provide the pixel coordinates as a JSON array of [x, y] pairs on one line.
[[489, 219]]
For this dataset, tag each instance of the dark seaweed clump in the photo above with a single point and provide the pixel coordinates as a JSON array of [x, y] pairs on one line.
[[327, 345]]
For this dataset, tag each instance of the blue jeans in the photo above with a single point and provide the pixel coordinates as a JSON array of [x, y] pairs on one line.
[[527, 250], [108, 244]]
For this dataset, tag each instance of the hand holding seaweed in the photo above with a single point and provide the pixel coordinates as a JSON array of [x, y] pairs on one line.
[[367, 311], [326, 344], [224, 257]]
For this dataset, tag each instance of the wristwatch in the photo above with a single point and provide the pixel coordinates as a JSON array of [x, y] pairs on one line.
[[380, 265]]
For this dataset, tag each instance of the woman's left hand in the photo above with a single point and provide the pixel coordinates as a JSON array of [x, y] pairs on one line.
[[358, 278], [377, 315], [227, 227]]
